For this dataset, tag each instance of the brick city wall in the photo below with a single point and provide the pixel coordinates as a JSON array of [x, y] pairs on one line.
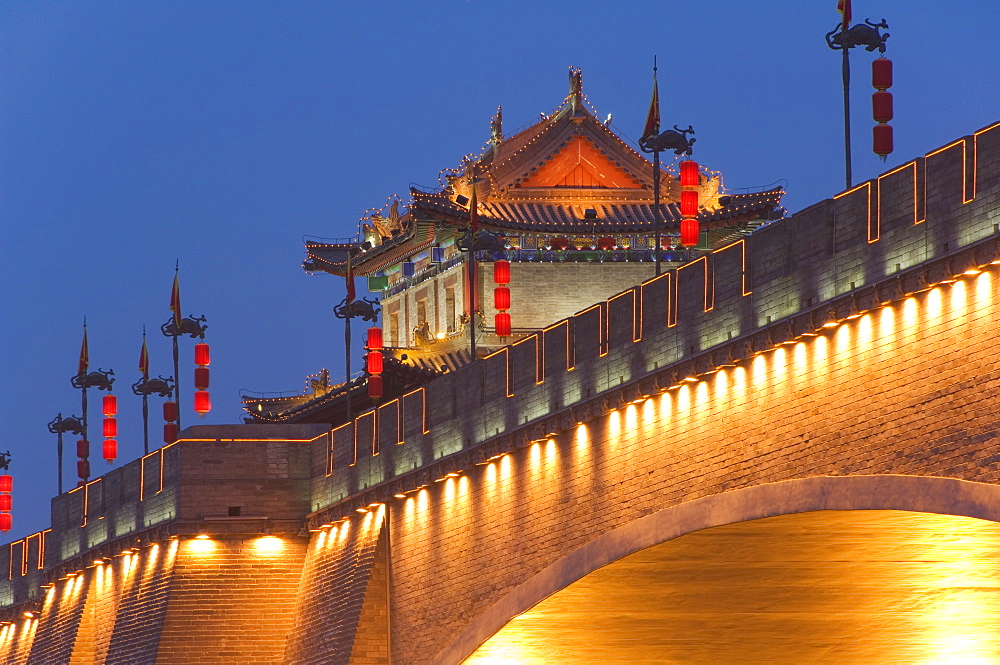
[[716, 377], [901, 390]]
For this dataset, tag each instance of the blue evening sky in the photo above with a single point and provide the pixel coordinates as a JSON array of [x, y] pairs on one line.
[[137, 133]]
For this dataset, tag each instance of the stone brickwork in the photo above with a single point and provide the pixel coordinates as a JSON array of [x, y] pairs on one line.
[[338, 570], [231, 601], [853, 341]]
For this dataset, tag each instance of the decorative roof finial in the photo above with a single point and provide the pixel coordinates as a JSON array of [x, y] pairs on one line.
[[496, 127], [576, 88]]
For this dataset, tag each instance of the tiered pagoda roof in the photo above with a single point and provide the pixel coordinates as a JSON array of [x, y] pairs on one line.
[[568, 173]]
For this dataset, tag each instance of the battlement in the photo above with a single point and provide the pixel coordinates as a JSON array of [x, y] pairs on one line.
[[866, 246]]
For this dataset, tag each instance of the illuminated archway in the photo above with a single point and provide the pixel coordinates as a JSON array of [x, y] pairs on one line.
[[865, 493]]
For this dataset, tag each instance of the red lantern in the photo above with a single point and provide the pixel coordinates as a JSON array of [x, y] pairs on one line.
[[170, 411], [882, 106], [502, 324], [606, 243], [110, 450], [6, 522], [501, 271], [689, 173], [375, 386], [169, 432], [501, 297], [201, 378], [201, 354], [373, 362], [202, 402], [882, 73], [374, 338], [6, 503], [110, 427], [689, 203], [82, 448], [882, 140], [83, 469], [689, 232], [110, 405], [6, 483]]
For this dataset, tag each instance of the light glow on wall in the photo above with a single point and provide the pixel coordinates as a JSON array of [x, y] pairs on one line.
[[268, 545]]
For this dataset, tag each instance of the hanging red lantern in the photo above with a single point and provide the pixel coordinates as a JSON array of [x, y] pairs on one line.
[[6, 503], [373, 362], [882, 106], [110, 427], [82, 448], [6, 483], [169, 432], [689, 232], [201, 354], [201, 378], [501, 271], [882, 140], [501, 297], [689, 173], [83, 469], [374, 338], [606, 243], [882, 73], [110, 405], [689, 203], [110, 450], [375, 386], [6, 522], [202, 402], [502, 324], [170, 411]]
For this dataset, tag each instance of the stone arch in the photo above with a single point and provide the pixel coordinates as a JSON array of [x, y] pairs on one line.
[[922, 494]]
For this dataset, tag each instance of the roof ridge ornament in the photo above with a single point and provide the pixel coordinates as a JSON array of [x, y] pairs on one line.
[[576, 89], [496, 127]]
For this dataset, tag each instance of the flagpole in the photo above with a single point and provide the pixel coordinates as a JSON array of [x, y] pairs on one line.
[[656, 207], [347, 333], [846, 71], [145, 397], [85, 357], [474, 225]]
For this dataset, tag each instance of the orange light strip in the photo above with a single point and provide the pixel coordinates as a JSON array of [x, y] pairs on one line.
[[399, 438], [637, 311], [423, 407], [539, 371], [24, 556], [867, 186], [41, 548], [375, 433], [569, 352], [86, 502], [708, 296], [878, 185], [964, 166], [636, 329], [745, 288], [671, 298], [507, 368], [332, 434]]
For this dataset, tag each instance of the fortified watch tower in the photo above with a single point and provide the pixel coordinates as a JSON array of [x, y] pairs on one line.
[[566, 202]]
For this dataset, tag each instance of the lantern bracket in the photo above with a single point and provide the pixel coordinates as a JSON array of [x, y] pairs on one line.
[[100, 379], [5, 461], [61, 425], [483, 241], [160, 385], [863, 34], [365, 308], [194, 326], [675, 139]]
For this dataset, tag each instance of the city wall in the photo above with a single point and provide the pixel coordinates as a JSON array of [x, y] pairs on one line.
[[855, 339]]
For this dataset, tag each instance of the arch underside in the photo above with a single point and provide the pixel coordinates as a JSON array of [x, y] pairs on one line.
[[870, 569]]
